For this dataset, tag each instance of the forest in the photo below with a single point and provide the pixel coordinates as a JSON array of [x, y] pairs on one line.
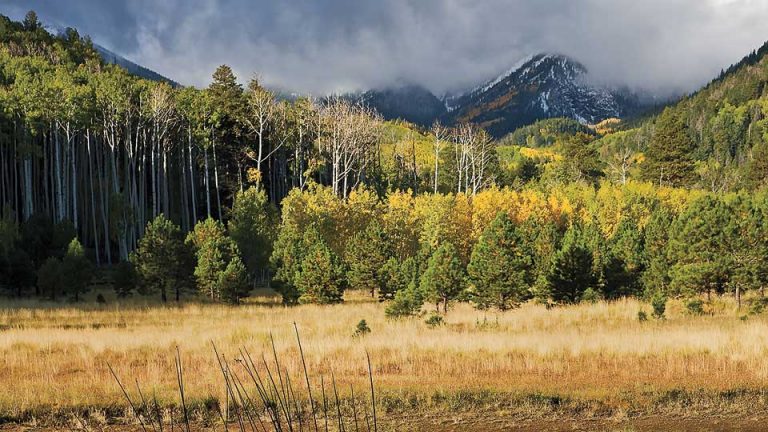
[[177, 192]]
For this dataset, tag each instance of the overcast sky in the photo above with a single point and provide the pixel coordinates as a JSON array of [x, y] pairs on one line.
[[321, 46]]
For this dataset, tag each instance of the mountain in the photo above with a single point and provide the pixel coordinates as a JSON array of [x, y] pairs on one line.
[[133, 68], [111, 57], [540, 87], [411, 103]]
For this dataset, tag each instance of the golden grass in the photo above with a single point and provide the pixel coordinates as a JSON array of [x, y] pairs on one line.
[[55, 359]]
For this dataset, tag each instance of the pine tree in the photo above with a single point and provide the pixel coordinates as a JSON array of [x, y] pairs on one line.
[[253, 226], [124, 279], [625, 262], [321, 278], [233, 282], [655, 277], [697, 248], [162, 260], [366, 255], [581, 161], [669, 158], [572, 271], [213, 251], [443, 279], [31, 21], [500, 267], [396, 276], [49, 279], [406, 302], [77, 270]]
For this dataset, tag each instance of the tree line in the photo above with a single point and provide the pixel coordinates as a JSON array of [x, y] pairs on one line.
[[213, 191]]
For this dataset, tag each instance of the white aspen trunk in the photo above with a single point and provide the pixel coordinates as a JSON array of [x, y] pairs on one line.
[[57, 174], [93, 198], [207, 183], [192, 179], [216, 180]]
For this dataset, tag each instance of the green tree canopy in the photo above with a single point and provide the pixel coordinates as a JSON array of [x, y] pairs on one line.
[[500, 267]]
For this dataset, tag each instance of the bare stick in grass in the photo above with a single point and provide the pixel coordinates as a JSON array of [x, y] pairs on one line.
[[243, 392], [157, 412], [354, 407], [338, 405], [297, 407], [227, 390], [280, 399], [306, 377], [269, 405], [282, 384], [325, 403], [180, 380], [373, 392], [144, 406], [130, 402]]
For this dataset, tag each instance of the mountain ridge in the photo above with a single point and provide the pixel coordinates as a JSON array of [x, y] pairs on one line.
[[537, 87]]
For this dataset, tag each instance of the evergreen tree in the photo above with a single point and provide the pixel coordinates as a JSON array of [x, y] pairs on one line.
[[76, 270], [233, 282], [50, 279], [625, 262], [580, 160], [406, 302], [253, 225], [572, 270], [162, 260], [500, 267], [669, 158], [124, 279], [321, 277], [696, 248], [366, 256], [397, 276], [443, 279], [213, 251], [31, 22], [655, 277]]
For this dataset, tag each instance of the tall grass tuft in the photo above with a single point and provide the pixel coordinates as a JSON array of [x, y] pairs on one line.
[[259, 398]]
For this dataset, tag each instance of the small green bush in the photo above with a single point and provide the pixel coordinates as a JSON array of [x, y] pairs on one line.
[[361, 329], [642, 316], [434, 321], [659, 304], [757, 306], [695, 307], [591, 295]]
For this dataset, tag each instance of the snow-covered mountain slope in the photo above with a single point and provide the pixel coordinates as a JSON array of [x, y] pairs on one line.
[[543, 86], [111, 57], [535, 88], [135, 69]]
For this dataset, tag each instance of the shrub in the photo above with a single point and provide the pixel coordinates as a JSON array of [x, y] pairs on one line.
[[591, 296], [642, 316], [659, 304], [435, 320], [695, 307], [407, 302], [124, 279], [757, 306], [361, 329]]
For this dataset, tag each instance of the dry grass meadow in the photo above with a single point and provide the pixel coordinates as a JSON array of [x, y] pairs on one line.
[[590, 358]]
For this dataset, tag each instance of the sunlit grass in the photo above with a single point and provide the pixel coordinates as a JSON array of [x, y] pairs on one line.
[[54, 358]]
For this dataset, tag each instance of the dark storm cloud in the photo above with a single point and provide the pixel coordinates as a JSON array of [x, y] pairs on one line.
[[323, 46]]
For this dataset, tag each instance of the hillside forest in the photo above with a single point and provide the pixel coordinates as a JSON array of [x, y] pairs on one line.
[[177, 192]]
